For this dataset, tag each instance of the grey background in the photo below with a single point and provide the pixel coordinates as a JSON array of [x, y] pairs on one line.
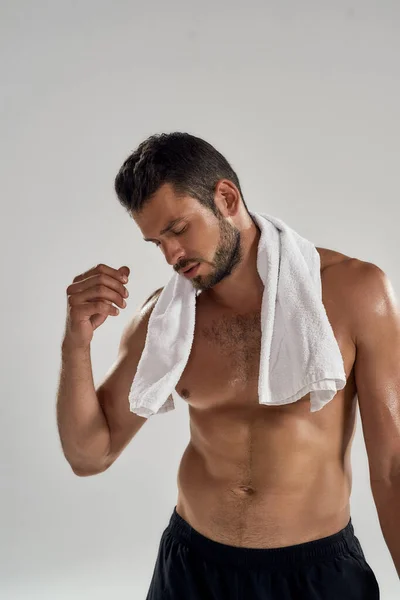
[[301, 97]]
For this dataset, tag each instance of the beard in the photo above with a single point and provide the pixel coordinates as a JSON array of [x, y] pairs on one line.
[[227, 256]]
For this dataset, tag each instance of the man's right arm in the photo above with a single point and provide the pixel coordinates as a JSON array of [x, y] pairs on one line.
[[95, 425]]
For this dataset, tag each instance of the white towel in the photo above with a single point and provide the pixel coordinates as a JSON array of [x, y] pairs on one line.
[[299, 352]]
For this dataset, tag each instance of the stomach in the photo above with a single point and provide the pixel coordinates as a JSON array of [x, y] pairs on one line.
[[263, 484]]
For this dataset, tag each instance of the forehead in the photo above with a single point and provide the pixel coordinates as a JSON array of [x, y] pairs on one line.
[[164, 206]]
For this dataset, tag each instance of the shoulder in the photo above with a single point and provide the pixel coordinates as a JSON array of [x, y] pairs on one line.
[[359, 289], [365, 293], [330, 258], [372, 299], [135, 330], [365, 283], [357, 275], [336, 273], [152, 299]]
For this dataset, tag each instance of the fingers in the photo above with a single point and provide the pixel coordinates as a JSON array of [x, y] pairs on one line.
[[88, 309], [98, 284], [91, 299], [101, 268], [97, 287]]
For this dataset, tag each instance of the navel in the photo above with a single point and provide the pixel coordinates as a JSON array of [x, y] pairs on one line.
[[248, 491]]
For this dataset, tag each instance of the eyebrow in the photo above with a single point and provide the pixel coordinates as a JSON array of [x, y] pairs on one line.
[[170, 225]]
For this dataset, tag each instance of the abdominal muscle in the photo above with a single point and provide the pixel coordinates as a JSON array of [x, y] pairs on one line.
[[265, 477]]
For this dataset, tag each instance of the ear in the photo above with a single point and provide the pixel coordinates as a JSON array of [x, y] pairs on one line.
[[227, 198]]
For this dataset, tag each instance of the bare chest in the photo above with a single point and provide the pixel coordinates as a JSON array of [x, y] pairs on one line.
[[223, 367]]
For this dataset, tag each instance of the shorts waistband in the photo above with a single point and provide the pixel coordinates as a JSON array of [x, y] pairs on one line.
[[342, 542]]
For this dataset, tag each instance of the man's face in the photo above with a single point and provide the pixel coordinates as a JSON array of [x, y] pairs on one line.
[[194, 235]]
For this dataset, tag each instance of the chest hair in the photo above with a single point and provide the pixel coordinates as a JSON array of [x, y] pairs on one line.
[[236, 338]]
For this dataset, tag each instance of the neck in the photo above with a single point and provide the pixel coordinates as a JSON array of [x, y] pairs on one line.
[[242, 290]]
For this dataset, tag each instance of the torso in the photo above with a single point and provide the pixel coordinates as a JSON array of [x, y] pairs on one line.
[[264, 476]]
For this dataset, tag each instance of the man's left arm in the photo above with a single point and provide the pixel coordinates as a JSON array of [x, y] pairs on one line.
[[377, 375]]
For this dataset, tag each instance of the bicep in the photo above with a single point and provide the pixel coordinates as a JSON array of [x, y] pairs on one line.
[[113, 392], [113, 395]]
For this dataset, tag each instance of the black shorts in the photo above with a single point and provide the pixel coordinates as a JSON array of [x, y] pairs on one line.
[[190, 566]]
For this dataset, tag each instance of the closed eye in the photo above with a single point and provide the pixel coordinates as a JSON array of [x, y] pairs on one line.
[[175, 232], [179, 232]]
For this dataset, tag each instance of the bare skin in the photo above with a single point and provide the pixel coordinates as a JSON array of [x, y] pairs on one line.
[[261, 476], [253, 475]]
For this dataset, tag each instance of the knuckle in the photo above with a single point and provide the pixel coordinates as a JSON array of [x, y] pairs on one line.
[[74, 288]]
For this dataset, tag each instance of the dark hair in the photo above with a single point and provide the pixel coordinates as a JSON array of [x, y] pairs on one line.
[[191, 165]]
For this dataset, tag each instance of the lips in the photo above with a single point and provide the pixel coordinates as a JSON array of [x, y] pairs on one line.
[[188, 269], [191, 272]]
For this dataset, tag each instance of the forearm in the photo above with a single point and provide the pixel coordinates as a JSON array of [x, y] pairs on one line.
[[387, 502], [83, 429]]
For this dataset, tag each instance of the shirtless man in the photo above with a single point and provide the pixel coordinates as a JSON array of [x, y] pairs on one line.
[[266, 478]]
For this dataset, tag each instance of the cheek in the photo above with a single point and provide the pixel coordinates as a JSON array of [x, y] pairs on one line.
[[206, 243]]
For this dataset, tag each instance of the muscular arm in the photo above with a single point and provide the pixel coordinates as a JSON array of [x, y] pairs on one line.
[[377, 373], [113, 392]]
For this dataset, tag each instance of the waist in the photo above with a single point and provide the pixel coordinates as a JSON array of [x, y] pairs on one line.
[[340, 542]]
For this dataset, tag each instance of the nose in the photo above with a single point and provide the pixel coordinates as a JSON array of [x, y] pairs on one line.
[[173, 252]]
